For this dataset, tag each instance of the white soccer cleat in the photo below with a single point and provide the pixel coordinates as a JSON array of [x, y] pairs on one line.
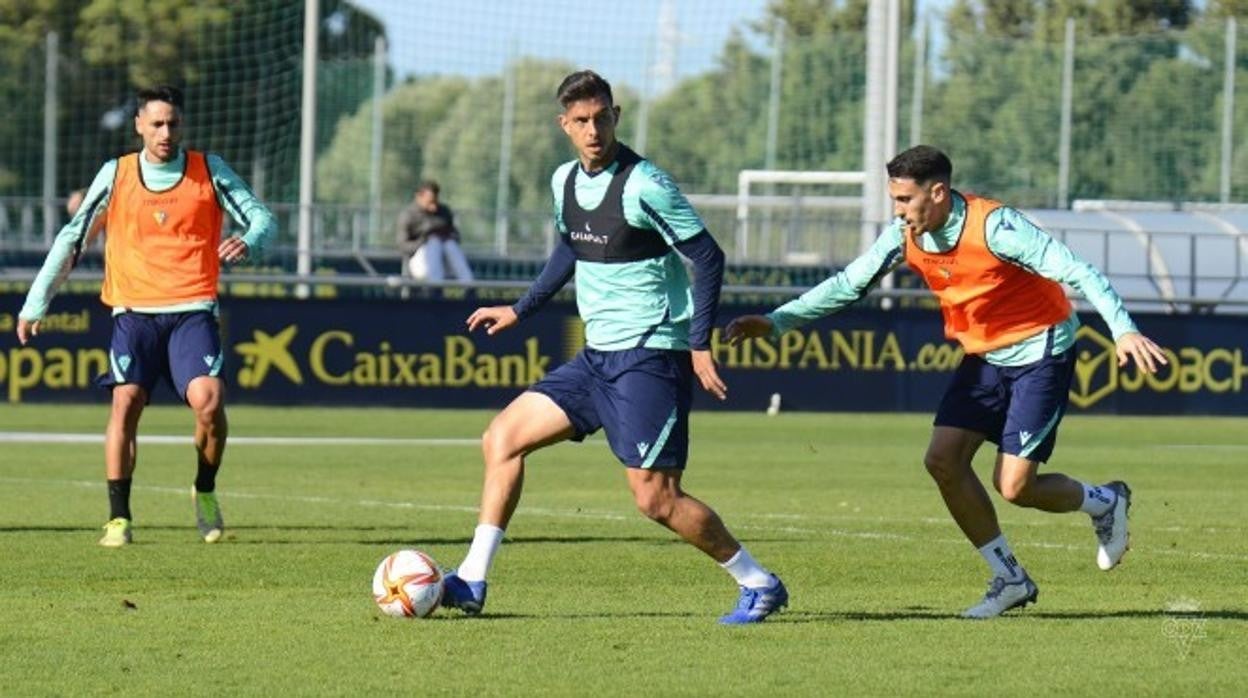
[[1111, 528], [1002, 596]]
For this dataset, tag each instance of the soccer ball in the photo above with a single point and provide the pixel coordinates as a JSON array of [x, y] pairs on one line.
[[407, 584]]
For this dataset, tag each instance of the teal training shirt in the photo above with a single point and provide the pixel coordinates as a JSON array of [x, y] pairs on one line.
[[648, 302], [232, 193], [1012, 237]]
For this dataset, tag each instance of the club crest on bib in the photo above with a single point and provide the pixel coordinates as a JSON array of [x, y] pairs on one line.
[[160, 217]]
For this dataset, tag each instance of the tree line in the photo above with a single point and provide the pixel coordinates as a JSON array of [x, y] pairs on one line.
[[1147, 99], [1146, 107]]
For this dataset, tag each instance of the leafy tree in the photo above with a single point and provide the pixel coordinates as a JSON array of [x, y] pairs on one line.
[[1145, 75], [713, 125], [150, 41], [805, 19], [410, 113], [1169, 167], [978, 114], [462, 152], [24, 27], [1221, 9], [1046, 19], [237, 60], [821, 97]]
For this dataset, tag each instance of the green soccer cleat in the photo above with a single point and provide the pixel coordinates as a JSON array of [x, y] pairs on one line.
[[208, 515], [116, 533]]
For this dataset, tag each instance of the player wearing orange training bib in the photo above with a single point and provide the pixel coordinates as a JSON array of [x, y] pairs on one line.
[[162, 209], [998, 277]]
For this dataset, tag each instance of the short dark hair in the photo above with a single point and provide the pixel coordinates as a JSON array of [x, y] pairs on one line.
[[158, 93], [922, 163], [428, 185], [583, 84]]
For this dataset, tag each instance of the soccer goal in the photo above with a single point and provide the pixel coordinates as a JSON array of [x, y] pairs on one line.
[[796, 227]]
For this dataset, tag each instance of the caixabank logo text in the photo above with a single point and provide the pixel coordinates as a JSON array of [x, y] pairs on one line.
[[336, 357], [1188, 370]]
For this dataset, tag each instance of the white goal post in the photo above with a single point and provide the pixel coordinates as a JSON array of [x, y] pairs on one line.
[[747, 178]]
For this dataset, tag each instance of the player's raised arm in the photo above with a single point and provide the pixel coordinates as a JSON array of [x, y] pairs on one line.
[[831, 296], [1015, 238], [66, 249]]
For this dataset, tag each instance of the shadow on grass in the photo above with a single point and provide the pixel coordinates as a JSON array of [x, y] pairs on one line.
[[47, 529], [408, 540], [387, 535], [1218, 614], [795, 617], [920, 613], [418, 540], [917, 613], [490, 617]]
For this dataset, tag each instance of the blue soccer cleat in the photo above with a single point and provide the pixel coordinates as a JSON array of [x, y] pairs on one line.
[[756, 604], [468, 597]]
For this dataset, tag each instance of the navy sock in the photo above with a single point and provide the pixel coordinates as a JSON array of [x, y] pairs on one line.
[[119, 498]]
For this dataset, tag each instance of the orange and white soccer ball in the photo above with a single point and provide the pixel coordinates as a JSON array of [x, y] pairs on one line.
[[407, 584]]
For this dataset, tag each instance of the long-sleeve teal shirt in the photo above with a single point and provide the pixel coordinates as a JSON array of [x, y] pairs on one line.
[[1012, 237]]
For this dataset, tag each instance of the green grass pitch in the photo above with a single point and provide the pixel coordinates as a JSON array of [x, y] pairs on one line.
[[587, 597]]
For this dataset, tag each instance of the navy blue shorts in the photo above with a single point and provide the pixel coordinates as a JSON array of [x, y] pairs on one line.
[[1016, 407], [178, 347], [640, 397]]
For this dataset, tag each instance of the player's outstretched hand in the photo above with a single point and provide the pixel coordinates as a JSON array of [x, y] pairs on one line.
[[1144, 351], [747, 327], [704, 368], [232, 250], [494, 319], [26, 329]]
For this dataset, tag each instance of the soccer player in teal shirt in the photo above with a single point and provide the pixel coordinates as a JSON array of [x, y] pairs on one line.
[[998, 278], [647, 333]]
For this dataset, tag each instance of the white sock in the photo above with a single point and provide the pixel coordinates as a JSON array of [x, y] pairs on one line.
[[1001, 559], [1097, 500], [485, 542], [746, 570]]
